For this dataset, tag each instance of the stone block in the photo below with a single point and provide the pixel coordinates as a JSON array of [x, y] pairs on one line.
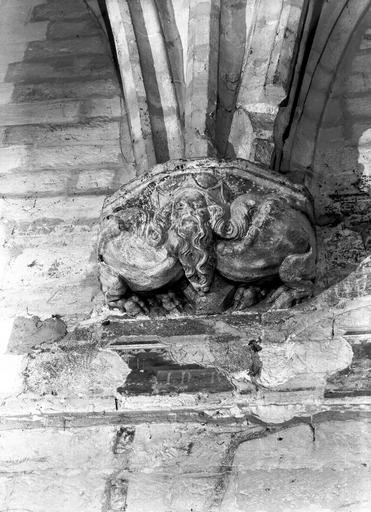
[[327, 469], [39, 50], [60, 69], [73, 301], [30, 159], [74, 89], [58, 181], [60, 111], [87, 373], [73, 209], [359, 107], [57, 469], [67, 29], [90, 132], [54, 10]]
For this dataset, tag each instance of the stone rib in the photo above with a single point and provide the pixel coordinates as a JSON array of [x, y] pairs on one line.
[[231, 54], [272, 29], [162, 76], [174, 49], [132, 81], [202, 77]]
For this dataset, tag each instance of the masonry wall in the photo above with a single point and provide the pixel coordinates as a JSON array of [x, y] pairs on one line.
[[163, 467], [342, 163], [89, 420], [328, 145], [63, 147]]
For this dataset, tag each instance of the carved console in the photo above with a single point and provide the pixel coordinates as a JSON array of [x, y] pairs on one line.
[[207, 235]]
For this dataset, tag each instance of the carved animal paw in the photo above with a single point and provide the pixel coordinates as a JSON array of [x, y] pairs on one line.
[[163, 304], [170, 302], [245, 297], [285, 297], [133, 306]]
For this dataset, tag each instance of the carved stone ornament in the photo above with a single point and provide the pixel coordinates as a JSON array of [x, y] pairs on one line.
[[208, 234]]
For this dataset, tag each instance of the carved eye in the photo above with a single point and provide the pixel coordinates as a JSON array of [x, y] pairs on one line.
[[180, 206]]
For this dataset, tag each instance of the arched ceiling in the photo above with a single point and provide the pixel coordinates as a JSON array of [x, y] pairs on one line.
[[328, 141]]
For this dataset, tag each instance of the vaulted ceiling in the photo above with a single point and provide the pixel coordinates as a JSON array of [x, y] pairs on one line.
[[206, 78]]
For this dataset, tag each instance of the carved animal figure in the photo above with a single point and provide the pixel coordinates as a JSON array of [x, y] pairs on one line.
[[196, 218]]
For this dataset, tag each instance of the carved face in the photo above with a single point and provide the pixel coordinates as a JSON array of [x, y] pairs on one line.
[[190, 222]]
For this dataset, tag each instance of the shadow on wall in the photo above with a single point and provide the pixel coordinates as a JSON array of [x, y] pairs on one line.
[[329, 145], [343, 211]]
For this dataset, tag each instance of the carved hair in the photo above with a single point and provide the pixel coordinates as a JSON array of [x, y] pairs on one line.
[[234, 223], [194, 237], [157, 228], [195, 251]]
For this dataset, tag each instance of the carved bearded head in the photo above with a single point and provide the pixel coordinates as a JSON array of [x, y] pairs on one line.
[[186, 221]]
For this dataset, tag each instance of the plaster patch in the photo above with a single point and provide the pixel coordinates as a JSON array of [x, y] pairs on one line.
[[28, 332], [84, 373], [271, 413], [293, 359]]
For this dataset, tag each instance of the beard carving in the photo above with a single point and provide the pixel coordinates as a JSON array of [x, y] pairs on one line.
[[190, 222]]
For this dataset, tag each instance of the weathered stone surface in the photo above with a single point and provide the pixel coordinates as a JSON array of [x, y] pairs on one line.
[[273, 33], [319, 470], [178, 468], [79, 28], [60, 112], [16, 159], [203, 390], [193, 219], [341, 250], [132, 81], [57, 469], [53, 10], [328, 137], [52, 148], [45, 70], [175, 469], [80, 373], [210, 73], [30, 332], [71, 89], [98, 131], [38, 50]]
